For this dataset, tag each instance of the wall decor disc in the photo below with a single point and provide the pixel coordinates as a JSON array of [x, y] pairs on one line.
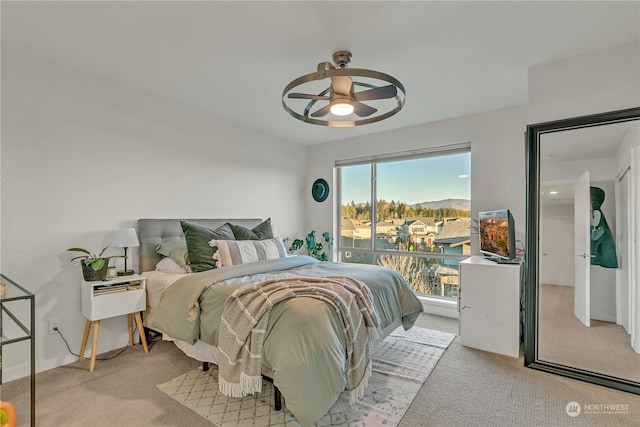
[[320, 190]]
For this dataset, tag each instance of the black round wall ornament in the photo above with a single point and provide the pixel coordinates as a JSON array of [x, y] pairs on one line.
[[320, 190]]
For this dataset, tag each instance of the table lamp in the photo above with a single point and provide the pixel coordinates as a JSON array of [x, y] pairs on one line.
[[125, 238]]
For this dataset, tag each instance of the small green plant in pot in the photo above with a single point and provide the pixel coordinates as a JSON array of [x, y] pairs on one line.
[[313, 247], [94, 267]]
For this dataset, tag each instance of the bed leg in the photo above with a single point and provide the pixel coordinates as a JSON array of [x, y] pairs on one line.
[[205, 366], [277, 396], [277, 399]]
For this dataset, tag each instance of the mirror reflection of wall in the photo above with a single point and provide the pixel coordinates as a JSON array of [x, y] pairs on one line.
[[556, 235], [564, 157]]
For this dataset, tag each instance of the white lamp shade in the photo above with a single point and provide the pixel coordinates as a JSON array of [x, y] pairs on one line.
[[125, 238]]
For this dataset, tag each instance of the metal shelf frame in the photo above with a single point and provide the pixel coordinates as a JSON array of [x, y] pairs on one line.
[[14, 292]]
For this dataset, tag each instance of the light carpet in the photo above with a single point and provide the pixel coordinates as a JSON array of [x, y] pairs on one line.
[[401, 364]]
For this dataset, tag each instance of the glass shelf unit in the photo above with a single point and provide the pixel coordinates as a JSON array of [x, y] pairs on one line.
[[10, 299]]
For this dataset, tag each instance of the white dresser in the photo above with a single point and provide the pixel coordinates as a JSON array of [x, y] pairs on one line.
[[489, 304]]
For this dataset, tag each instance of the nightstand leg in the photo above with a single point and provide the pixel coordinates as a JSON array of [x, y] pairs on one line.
[[141, 330], [84, 340], [94, 344], [130, 321]]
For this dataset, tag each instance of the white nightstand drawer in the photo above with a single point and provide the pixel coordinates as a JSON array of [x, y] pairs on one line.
[[111, 305], [101, 300]]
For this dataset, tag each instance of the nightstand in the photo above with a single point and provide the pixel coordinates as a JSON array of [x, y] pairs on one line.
[[110, 298]]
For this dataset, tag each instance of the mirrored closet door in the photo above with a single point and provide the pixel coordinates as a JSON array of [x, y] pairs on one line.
[[582, 297]]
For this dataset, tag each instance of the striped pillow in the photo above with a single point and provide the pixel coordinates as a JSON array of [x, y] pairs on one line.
[[235, 252]]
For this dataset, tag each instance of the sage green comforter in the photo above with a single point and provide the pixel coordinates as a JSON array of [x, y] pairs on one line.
[[304, 349]]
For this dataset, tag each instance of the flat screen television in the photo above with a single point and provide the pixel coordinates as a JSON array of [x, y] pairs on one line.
[[497, 235]]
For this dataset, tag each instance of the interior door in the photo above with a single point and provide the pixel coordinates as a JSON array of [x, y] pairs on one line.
[[633, 255], [582, 266], [623, 297], [557, 250]]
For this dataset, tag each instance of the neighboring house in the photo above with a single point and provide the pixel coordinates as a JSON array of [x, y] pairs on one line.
[[355, 234], [430, 224], [386, 230], [419, 230], [449, 280], [442, 222], [386, 234], [454, 238], [399, 222]]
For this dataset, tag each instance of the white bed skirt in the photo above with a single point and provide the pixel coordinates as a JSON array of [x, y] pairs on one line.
[[200, 350]]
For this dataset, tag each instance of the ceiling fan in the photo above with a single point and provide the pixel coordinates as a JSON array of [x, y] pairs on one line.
[[341, 97]]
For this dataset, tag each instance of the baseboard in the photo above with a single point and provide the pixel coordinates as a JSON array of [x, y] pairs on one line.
[[23, 370], [440, 306]]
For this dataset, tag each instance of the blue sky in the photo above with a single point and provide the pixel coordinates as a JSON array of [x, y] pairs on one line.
[[411, 181]]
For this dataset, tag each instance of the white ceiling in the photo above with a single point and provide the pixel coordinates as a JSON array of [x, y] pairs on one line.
[[557, 195], [232, 59], [594, 142]]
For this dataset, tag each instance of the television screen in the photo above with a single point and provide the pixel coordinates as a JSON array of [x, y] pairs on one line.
[[497, 234]]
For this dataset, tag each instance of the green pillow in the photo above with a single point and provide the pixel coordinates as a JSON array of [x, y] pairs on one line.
[[176, 250], [261, 231], [198, 249]]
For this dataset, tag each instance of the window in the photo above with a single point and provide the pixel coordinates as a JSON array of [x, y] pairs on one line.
[[420, 223]]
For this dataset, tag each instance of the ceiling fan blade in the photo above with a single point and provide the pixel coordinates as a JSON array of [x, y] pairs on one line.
[[383, 92], [363, 110], [321, 112], [341, 85], [307, 96]]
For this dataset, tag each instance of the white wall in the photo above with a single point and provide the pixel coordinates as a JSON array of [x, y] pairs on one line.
[[603, 280], [556, 248], [631, 139], [601, 169], [588, 84], [82, 157], [629, 255], [497, 161]]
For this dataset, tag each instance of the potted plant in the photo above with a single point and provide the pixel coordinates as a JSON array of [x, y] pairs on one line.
[[94, 267], [313, 247]]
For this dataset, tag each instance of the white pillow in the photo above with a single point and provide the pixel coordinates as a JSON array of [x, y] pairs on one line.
[[168, 265], [235, 252]]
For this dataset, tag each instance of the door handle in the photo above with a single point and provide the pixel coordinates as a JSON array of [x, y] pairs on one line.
[[586, 256]]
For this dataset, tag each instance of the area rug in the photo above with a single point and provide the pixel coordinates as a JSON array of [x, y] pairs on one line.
[[401, 364]]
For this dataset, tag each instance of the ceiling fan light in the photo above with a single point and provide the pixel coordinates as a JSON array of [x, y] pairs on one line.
[[344, 101], [342, 108]]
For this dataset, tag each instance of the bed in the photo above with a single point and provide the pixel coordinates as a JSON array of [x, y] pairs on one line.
[[305, 350]]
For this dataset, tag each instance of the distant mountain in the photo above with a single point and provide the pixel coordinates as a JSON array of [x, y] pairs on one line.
[[462, 204]]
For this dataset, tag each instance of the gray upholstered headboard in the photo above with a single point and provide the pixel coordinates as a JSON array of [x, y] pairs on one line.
[[153, 232]]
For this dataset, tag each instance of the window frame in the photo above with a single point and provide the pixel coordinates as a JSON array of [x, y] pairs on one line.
[[373, 161]]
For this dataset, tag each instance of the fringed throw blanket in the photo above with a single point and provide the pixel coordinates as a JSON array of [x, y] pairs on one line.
[[246, 316]]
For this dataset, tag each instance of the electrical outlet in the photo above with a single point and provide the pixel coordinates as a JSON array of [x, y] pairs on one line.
[[54, 322]]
